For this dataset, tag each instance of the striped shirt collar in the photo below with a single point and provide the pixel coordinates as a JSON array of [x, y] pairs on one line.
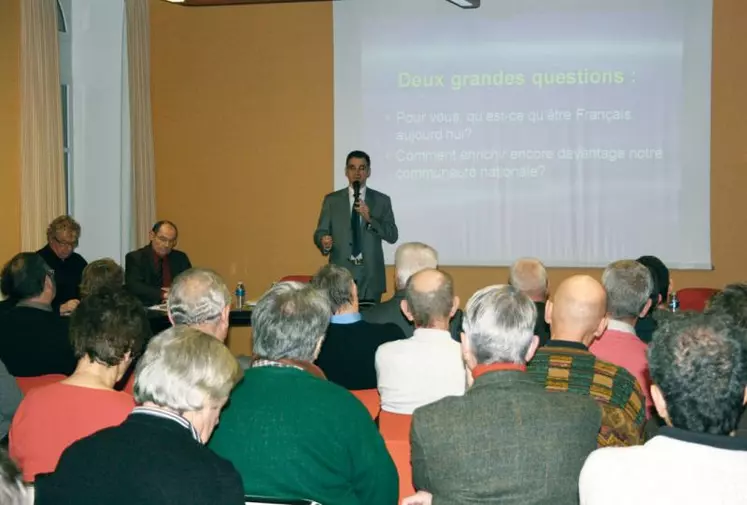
[[165, 414]]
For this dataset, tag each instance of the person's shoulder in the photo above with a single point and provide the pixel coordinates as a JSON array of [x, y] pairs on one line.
[[336, 194], [80, 260], [135, 254], [378, 194], [179, 254]]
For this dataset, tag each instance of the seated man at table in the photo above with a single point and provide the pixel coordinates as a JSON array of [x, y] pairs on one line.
[[59, 253], [149, 271], [34, 337], [289, 432], [349, 350]]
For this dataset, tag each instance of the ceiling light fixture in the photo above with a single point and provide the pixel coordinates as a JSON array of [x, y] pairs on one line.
[[466, 4]]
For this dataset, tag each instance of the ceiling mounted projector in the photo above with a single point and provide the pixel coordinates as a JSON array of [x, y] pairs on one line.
[[466, 4]]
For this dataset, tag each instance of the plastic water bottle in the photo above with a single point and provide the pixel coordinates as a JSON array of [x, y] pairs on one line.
[[240, 293], [674, 302]]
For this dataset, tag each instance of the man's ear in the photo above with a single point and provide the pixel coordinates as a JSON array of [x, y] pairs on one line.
[[225, 314], [171, 318], [532, 349], [548, 312], [646, 308], [469, 359], [661, 404], [454, 307], [405, 308]]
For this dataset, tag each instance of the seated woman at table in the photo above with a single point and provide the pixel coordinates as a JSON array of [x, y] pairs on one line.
[[106, 330], [157, 455], [101, 274]]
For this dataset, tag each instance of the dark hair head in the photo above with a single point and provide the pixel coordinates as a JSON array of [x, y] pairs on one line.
[[108, 324], [101, 274], [731, 301], [660, 273], [23, 277], [157, 227], [699, 362], [431, 301], [358, 154], [337, 283]]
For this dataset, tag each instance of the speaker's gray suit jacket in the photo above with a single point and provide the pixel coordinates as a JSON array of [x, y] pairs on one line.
[[334, 220]]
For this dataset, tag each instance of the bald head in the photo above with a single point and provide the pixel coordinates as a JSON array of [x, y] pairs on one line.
[[577, 312], [429, 299]]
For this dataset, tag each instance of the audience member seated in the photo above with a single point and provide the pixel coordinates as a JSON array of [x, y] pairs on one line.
[[150, 271], [507, 440], [107, 329], [157, 455], [34, 336], [529, 276], [200, 299], [409, 259], [348, 352], [578, 316], [7, 301], [699, 372], [427, 366], [645, 326], [291, 433], [59, 253], [629, 286], [10, 398], [731, 302], [13, 491], [101, 274]]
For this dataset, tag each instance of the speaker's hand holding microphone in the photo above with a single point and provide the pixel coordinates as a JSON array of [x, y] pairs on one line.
[[360, 205]]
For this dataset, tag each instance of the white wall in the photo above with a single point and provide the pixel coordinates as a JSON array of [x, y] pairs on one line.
[[101, 169]]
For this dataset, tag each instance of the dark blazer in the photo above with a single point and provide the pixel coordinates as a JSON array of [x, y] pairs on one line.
[[141, 277], [390, 312], [68, 274], [507, 441], [35, 342], [146, 460], [334, 220], [348, 354]]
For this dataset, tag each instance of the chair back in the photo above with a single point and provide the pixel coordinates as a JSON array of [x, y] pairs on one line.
[[695, 298], [26, 384], [297, 278], [399, 450], [129, 386], [395, 426], [369, 398], [263, 500]]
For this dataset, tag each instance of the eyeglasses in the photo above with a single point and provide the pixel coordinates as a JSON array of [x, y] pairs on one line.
[[64, 243], [165, 240]]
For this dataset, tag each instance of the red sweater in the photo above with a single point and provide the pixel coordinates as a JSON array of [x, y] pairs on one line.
[[52, 417]]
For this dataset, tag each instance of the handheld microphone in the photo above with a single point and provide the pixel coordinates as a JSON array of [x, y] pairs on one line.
[[356, 190]]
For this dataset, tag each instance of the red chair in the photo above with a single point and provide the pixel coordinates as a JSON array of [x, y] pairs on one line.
[[395, 426], [129, 386], [297, 278], [399, 450], [26, 384], [369, 398], [695, 298]]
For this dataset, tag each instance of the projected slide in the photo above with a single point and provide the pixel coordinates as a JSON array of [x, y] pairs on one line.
[[571, 130]]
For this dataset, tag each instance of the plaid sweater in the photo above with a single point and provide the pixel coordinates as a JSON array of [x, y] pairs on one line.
[[569, 366]]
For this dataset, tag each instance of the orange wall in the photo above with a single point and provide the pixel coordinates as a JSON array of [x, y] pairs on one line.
[[243, 122], [10, 128]]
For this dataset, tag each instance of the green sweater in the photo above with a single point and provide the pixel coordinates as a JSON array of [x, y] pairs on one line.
[[292, 435]]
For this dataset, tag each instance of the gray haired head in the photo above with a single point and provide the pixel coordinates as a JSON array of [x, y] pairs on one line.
[[289, 322], [337, 284], [499, 324], [629, 285], [412, 257], [529, 276], [197, 296]]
